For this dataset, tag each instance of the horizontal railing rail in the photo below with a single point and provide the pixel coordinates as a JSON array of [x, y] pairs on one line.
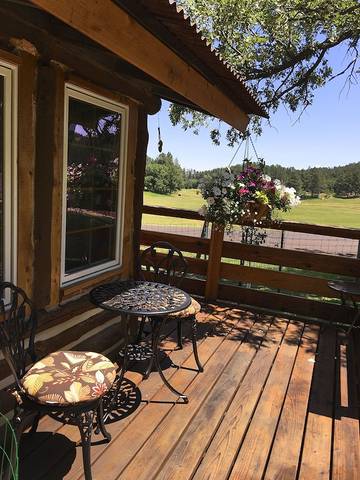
[[339, 232], [221, 273]]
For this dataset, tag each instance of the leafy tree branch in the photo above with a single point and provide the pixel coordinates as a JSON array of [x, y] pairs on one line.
[[279, 47]]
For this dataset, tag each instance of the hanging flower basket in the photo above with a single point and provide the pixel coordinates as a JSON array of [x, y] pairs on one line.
[[255, 212], [250, 196]]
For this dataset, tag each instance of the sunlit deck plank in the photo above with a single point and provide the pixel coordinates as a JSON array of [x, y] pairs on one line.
[[220, 455], [261, 410], [346, 450], [257, 444], [285, 453], [316, 457]]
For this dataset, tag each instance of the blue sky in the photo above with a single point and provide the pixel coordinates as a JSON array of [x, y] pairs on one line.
[[327, 134]]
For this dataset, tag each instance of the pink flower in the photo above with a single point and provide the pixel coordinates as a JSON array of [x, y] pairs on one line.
[[99, 389], [243, 191]]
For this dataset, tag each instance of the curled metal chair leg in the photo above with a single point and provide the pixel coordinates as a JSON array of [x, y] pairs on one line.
[[194, 342], [85, 424], [100, 422]]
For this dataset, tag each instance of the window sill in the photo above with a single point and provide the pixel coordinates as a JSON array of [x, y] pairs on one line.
[[81, 287]]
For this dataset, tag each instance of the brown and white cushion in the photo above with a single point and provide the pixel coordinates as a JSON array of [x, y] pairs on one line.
[[192, 309], [68, 377]]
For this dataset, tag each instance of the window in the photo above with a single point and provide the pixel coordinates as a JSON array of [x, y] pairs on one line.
[[94, 174], [8, 95]]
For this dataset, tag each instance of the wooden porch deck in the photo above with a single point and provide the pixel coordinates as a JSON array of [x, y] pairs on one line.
[[278, 400]]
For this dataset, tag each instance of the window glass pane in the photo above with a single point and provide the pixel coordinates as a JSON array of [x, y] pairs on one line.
[[92, 185], [2, 148]]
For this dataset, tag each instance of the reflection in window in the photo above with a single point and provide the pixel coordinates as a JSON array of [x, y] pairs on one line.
[[8, 116], [2, 148], [92, 187]]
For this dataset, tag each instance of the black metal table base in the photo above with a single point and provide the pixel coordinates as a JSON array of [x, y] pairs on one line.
[[151, 354], [144, 299]]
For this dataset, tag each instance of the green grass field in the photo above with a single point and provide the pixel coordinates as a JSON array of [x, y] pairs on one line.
[[329, 211]]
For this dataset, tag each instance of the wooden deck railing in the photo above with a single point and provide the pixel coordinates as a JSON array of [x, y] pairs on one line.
[[222, 275]]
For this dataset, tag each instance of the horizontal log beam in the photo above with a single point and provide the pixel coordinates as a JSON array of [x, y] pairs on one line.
[[195, 265], [286, 303], [313, 229], [172, 212], [185, 243], [110, 26], [293, 258], [278, 280], [96, 66]]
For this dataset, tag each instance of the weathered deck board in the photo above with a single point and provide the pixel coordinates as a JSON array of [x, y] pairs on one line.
[[258, 440], [263, 409], [346, 450], [219, 457], [167, 422], [183, 459], [316, 456], [285, 453]]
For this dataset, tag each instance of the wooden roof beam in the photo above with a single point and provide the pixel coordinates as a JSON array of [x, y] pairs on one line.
[[110, 26]]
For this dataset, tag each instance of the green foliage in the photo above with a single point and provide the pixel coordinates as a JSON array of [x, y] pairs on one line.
[[279, 46], [347, 184], [163, 175], [341, 181]]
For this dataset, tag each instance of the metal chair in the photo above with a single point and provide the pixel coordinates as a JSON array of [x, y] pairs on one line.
[[164, 263], [69, 385]]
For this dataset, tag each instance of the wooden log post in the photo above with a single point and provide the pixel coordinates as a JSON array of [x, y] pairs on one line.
[[48, 184], [26, 167], [139, 172], [214, 263]]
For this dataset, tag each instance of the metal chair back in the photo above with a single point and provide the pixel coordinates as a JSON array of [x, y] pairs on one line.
[[17, 329], [164, 263]]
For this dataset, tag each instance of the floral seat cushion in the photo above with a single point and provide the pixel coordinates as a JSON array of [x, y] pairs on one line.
[[66, 378], [192, 309]]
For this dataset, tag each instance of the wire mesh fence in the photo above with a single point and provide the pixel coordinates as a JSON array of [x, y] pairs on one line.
[[277, 239]]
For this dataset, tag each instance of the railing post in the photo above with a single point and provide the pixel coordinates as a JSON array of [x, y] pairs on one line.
[[214, 263]]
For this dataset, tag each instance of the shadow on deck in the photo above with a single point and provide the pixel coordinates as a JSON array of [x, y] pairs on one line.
[[278, 400]]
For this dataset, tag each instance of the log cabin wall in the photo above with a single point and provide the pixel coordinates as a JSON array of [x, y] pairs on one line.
[[45, 64]]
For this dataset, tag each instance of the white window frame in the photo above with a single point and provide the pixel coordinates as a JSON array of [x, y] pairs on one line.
[[9, 73], [76, 92]]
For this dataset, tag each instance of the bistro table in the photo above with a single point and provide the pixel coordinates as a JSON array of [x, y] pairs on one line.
[[349, 291], [134, 299]]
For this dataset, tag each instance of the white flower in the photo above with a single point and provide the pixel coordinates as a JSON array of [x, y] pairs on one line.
[[203, 210], [278, 185], [216, 192], [211, 201], [267, 178], [224, 191]]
